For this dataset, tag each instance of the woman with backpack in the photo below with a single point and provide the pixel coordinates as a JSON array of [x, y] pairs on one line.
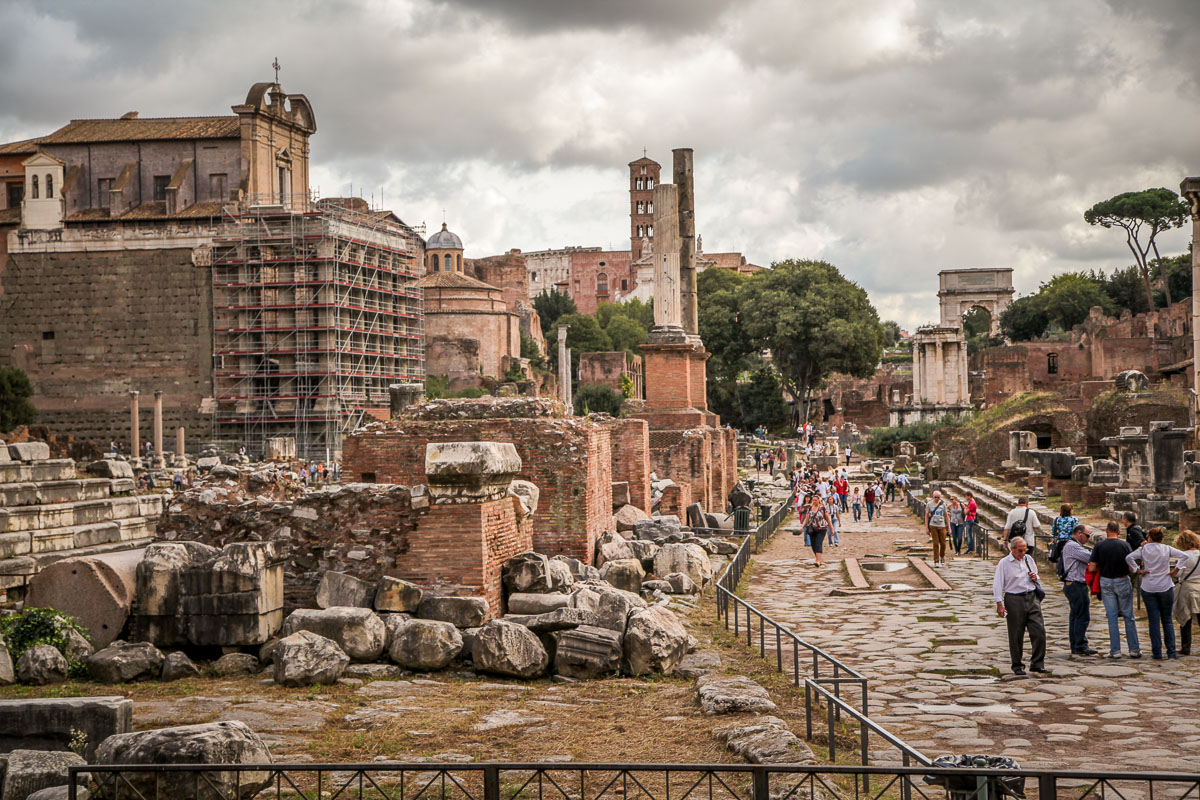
[[936, 516], [817, 525]]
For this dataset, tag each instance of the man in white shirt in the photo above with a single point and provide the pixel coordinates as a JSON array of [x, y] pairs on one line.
[[1025, 513], [1013, 591]]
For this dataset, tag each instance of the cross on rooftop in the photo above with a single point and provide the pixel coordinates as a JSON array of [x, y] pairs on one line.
[[275, 64]]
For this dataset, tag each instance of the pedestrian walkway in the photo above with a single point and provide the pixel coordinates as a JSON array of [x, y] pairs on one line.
[[939, 668]]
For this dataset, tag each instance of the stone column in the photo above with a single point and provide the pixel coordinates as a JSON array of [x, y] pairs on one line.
[[939, 354], [1190, 189], [135, 441], [916, 374], [180, 447], [687, 239], [667, 313], [159, 460], [402, 396], [964, 385], [564, 369]]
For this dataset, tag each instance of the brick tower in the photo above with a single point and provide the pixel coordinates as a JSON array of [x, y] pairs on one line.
[[643, 177]]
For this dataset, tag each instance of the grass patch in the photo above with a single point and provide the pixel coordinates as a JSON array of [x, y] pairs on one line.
[[965, 672], [952, 641], [937, 618]]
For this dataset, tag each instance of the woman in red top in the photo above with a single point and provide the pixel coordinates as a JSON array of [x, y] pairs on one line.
[[969, 527]]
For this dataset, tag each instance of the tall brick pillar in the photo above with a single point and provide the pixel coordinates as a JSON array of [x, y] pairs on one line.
[[472, 526]]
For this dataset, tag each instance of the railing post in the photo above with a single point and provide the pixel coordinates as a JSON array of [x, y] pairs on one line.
[[762, 786], [491, 783], [1047, 790], [807, 711], [832, 736]]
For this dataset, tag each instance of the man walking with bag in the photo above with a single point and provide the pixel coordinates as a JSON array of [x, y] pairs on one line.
[[1021, 522], [1018, 595]]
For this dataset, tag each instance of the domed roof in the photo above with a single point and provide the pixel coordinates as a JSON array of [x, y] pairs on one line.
[[444, 240]]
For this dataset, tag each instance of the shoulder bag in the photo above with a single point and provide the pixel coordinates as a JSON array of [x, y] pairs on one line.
[[1038, 591]]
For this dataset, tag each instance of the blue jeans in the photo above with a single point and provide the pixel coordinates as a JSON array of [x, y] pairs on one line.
[[969, 535], [857, 511], [833, 531], [1158, 612], [1117, 596], [844, 501], [956, 536], [1078, 598], [870, 511]]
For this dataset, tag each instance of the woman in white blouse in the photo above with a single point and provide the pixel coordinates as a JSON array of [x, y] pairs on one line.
[[1187, 591], [1158, 589]]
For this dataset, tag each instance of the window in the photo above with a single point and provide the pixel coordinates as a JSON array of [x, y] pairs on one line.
[[458, 262], [624, 285], [602, 283], [161, 182], [47, 336], [446, 263], [638, 183], [649, 208], [650, 231], [535, 277], [104, 191], [285, 185], [49, 186], [33, 189], [649, 183], [217, 183], [1052, 363], [641, 207], [433, 262], [16, 193], [640, 230]]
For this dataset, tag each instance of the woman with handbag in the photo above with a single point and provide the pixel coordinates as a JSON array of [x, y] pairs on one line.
[[816, 526], [1187, 591]]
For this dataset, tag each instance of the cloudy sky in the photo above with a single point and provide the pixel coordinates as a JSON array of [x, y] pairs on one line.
[[893, 138]]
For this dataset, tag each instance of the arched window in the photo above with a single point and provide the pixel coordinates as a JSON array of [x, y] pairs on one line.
[[34, 188], [602, 283], [641, 207], [458, 262], [49, 185], [650, 231], [433, 263], [649, 208], [1052, 363], [649, 183], [640, 230], [446, 263]]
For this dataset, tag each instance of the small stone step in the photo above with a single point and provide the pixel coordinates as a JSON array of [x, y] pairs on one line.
[[48, 516], [73, 537], [29, 494], [55, 469]]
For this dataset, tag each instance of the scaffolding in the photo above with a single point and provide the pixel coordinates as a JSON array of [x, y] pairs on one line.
[[316, 310]]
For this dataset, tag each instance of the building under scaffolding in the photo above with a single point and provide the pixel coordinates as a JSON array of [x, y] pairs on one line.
[[316, 310]]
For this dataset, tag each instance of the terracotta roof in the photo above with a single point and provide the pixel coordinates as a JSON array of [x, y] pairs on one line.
[[453, 280], [87, 131]]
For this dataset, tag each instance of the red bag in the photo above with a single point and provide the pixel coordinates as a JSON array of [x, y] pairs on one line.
[[1093, 582]]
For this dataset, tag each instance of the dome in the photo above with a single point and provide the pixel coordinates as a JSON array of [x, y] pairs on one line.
[[444, 240]]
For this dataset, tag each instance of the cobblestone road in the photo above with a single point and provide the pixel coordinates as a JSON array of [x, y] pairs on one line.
[[939, 672]]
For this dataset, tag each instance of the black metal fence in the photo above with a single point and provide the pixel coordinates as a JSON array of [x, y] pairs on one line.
[[556, 781]]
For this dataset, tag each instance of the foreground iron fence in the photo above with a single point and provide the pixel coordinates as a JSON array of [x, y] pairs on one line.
[[557, 781]]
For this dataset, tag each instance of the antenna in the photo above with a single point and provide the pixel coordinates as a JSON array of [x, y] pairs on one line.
[[275, 64]]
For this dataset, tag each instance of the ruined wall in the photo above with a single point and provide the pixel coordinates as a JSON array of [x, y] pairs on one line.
[[631, 458], [364, 531], [568, 459], [586, 268], [684, 456], [89, 327], [469, 345]]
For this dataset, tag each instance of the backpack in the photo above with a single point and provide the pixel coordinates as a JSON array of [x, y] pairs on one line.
[[1056, 550], [1018, 528], [1060, 563]]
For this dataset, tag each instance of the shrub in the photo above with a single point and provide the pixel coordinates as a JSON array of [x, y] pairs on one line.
[[883, 440], [15, 391], [592, 398], [34, 626]]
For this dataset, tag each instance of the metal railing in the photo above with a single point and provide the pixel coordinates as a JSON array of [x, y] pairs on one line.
[[599, 781]]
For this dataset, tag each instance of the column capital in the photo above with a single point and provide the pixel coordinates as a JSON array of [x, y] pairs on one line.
[[1190, 190], [158, 394], [133, 394]]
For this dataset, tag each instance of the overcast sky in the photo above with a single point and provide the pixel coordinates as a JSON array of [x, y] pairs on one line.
[[893, 138]]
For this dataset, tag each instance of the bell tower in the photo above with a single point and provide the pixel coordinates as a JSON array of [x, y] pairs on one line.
[[643, 177]]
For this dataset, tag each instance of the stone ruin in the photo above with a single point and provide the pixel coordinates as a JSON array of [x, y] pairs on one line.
[[48, 512]]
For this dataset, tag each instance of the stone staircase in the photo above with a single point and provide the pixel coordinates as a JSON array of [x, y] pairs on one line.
[[994, 505], [47, 513]]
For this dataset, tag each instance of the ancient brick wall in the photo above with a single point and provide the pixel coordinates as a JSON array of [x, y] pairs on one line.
[[685, 456], [460, 549], [605, 369], [568, 459], [586, 288], [631, 458], [89, 327]]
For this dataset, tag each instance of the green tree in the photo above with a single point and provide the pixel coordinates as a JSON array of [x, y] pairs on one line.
[[625, 334], [15, 391], [593, 398], [976, 321], [1125, 287], [584, 335], [1025, 318], [1176, 274], [761, 398], [814, 321], [636, 310], [1142, 215], [719, 315], [550, 306], [1067, 298], [891, 333]]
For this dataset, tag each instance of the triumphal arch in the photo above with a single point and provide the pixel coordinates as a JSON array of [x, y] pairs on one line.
[[960, 290]]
